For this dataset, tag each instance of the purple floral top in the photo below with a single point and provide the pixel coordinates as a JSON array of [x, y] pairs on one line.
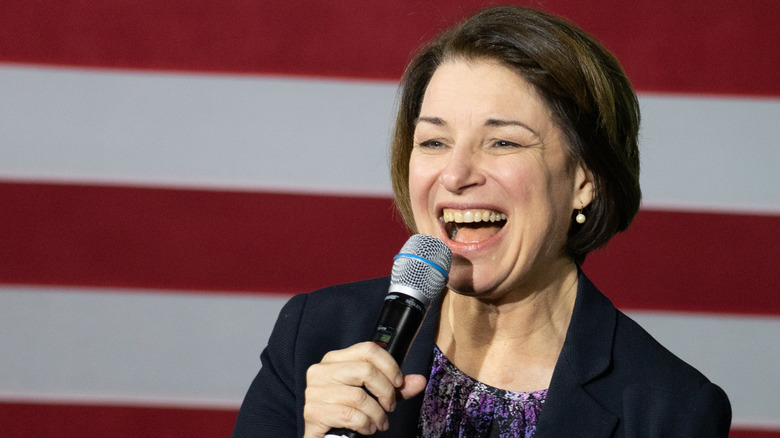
[[455, 405]]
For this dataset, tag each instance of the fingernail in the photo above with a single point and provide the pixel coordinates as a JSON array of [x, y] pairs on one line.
[[385, 425], [399, 381]]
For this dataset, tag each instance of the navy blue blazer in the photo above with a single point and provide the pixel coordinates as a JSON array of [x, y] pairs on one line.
[[612, 378]]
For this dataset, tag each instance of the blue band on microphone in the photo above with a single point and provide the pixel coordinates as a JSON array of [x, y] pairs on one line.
[[422, 259]]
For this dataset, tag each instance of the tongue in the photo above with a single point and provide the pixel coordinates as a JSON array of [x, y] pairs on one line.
[[471, 233]]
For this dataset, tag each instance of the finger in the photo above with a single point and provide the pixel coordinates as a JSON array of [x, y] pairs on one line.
[[372, 353], [356, 374], [318, 428], [344, 406]]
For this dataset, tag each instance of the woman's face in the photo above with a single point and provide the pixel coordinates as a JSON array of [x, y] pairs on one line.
[[489, 175]]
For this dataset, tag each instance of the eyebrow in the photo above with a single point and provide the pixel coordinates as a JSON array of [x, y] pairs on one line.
[[502, 123], [432, 120], [497, 123]]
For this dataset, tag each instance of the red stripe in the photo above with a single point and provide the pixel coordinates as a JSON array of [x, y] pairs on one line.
[[75, 421], [244, 241], [718, 46], [692, 262], [191, 239]]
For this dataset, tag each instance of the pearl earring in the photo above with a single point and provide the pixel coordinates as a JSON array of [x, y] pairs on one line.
[[580, 218]]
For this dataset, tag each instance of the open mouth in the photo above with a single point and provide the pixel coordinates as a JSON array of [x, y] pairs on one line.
[[470, 226]]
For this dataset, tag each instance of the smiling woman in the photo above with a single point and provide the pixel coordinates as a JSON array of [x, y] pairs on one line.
[[516, 145], [581, 86]]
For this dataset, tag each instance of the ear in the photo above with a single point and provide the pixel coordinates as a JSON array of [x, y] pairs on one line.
[[584, 187]]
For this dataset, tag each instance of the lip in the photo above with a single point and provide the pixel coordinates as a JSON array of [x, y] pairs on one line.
[[464, 248]]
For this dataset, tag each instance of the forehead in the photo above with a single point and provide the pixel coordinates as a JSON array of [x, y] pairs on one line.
[[482, 88]]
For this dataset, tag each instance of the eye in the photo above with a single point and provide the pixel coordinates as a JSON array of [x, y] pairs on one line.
[[431, 144], [506, 144]]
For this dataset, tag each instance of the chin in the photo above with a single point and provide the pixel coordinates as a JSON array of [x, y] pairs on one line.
[[462, 289], [469, 274], [468, 287]]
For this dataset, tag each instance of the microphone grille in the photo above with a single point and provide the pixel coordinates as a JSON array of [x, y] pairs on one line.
[[414, 266]]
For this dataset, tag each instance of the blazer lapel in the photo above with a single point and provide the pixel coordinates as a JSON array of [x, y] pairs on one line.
[[570, 412], [586, 355]]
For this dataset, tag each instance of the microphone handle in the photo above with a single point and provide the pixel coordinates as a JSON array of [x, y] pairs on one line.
[[398, 324]]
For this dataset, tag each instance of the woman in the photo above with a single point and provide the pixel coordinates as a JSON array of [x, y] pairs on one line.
[[515, 144]]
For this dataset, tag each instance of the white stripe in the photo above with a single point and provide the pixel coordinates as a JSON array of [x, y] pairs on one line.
[[189, 130], [320, 136], [703, 153], [136, 348], [187, 349]]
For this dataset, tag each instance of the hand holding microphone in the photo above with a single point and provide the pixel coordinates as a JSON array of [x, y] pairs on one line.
[[336, 392]]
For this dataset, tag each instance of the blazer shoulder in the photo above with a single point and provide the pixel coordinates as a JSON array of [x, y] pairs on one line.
[[650, 389], [649, 357], [661, 393]]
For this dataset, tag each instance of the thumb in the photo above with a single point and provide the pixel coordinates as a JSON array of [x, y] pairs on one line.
[[413, 385]]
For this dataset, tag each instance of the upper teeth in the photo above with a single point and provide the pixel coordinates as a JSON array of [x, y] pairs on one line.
[[469, 216]]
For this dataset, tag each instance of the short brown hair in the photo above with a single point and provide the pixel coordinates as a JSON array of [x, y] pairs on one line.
[[582, 83]]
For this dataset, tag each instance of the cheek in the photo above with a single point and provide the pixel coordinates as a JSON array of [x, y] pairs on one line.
[[422, 181], [520, 181]]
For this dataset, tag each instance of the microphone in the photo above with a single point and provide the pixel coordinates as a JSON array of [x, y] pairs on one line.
[[420, 272]]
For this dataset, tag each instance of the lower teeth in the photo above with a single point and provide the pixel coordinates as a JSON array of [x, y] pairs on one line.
[[454, 232]]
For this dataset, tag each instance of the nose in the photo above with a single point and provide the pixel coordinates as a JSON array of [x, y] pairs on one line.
[[461, 171]]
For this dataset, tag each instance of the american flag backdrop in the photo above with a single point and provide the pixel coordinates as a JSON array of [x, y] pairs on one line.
[[172, 171]]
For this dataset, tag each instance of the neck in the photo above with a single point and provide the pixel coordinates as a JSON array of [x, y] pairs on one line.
[[490, 339]]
